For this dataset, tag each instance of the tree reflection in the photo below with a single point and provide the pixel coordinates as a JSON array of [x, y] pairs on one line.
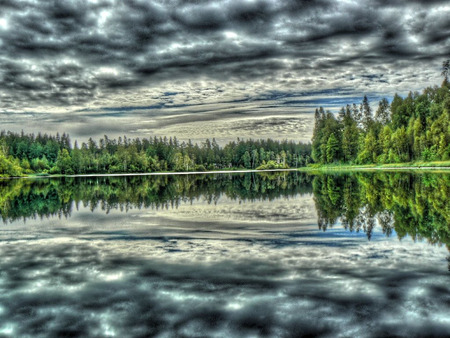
[[402, 203], [49, 197], [407, 204]]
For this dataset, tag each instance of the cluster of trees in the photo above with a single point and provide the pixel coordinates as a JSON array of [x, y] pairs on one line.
[[24, 153], [407, 129], [409, 204]]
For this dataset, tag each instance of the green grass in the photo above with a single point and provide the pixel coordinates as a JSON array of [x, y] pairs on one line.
[[443, 165], [419, 165]]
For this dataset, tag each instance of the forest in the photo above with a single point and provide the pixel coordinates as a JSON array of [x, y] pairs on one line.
[[22, 154], [414, 128]]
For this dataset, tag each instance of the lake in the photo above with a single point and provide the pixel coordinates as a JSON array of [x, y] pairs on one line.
[[226, 255]]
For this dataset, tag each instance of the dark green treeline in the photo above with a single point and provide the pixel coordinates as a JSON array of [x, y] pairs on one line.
[[408, 129], [27, 153]]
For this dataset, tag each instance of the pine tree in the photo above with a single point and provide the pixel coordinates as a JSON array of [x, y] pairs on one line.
[[382, 114], [332, 148], [366, 113], [350, 137]]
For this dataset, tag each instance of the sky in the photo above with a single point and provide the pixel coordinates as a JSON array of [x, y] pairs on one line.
[[202, 69]]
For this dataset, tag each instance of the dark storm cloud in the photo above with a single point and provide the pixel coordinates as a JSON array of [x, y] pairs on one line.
[[77, 57], [146, 42]]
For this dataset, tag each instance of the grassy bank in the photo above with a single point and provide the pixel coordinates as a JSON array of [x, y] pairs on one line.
[[434, 165]]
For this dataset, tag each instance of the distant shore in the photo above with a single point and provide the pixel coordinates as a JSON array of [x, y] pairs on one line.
[[182, 173], [237, 171], [321, 168]]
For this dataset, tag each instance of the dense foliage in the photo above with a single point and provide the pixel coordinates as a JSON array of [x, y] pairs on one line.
[[407, 129], [24, 153]]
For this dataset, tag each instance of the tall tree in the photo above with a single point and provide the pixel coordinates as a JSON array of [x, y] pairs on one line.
[[382, 114], [445, 71], [366, 113], [332, 148], [350, 136]]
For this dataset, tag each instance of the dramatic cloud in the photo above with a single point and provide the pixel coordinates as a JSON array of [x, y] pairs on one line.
[[170, 58]]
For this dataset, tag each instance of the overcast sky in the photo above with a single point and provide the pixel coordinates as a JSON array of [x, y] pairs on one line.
[[197, 69]]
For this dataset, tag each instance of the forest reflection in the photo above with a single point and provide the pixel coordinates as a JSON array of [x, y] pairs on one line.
[[409, 204], [46, 197], [402, 203]]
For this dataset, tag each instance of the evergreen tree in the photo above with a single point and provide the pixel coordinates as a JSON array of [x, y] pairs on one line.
[[445, 71], [382, 114], [63, 163], [350, 135], [366, 113], [332, 149]]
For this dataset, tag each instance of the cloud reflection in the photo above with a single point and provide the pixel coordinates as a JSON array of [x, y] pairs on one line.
[[221, 288], [129, 261]]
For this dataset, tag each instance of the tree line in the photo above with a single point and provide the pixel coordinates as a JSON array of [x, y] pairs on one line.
[[22, 153], [415, 128]]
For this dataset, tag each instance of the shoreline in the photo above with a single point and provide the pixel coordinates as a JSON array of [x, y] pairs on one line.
[[243, 171], [396, 168], [240, 171]]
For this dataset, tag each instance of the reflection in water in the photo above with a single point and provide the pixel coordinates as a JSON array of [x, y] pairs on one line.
[[414, 205], [407, 204], [50, 197], [226, 255]]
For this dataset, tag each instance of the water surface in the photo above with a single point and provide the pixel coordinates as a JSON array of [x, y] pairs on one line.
[[283, 254]]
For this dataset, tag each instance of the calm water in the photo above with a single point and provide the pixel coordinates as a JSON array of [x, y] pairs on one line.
[[226, 255]]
